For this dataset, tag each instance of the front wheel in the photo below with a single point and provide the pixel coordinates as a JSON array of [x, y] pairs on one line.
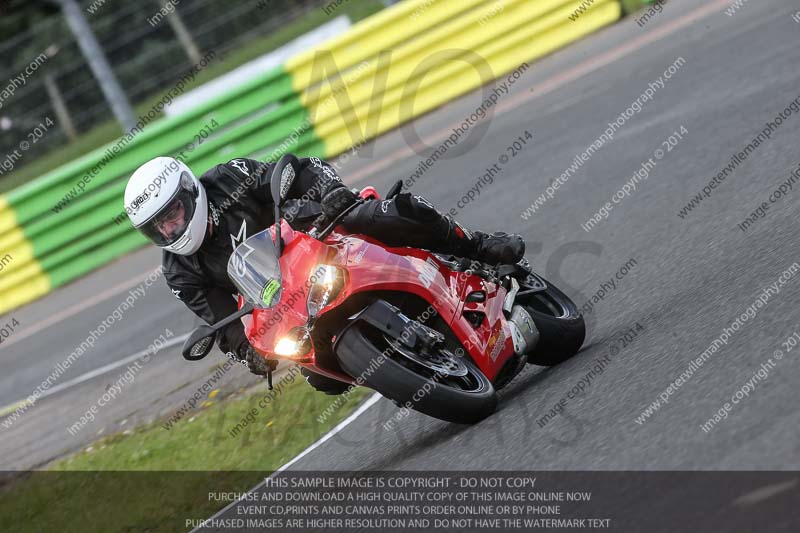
[[445, 386]]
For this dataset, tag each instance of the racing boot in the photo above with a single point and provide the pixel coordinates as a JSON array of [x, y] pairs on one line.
[[324, 384], [494, 249]]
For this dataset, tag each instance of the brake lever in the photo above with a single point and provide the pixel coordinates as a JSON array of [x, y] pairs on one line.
[[335, 222], [317, 225]]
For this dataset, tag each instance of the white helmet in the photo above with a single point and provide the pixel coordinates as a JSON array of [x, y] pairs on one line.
[[168, 204]]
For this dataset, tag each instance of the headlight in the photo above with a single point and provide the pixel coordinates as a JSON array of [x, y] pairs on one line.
[[326, 282], [286, 347], [295, 345]]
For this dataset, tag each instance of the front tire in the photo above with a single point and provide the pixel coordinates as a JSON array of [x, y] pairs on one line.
[[362, 352]]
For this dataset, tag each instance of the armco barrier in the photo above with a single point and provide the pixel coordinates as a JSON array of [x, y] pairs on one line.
[[389, 68], [52, 245]]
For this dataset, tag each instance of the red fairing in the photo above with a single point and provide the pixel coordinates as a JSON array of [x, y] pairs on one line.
[[490, 345], [299, 261], [370, 193], [371, 266]]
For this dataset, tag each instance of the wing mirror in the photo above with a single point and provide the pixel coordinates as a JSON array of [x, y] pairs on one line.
[[199, 343], [280, 182], [282, 177]]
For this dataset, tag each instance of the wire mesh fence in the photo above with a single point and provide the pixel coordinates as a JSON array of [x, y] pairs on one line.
[[149, 45]]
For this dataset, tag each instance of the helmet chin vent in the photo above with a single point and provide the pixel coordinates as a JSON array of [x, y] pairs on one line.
[[183, 241]]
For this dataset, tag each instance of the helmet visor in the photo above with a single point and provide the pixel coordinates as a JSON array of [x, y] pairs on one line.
[[171, 221]]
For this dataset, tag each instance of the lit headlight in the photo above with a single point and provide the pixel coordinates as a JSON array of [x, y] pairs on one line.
[[286, 347], [326, 282], [295, 344]]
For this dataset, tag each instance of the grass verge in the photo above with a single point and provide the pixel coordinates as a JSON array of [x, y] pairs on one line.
[[631, 6], [153, 479]]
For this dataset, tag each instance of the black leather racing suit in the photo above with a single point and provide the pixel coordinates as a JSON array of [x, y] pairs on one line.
[[240, 205]]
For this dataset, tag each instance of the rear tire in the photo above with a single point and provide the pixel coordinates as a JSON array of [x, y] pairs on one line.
[[562, 329], [361, 354]]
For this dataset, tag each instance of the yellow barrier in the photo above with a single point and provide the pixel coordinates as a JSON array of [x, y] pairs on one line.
[[8, 218], [22, 280], [471, 49], [36, 284], [455, 39], [19, 248], [388, 69], [381, 31]]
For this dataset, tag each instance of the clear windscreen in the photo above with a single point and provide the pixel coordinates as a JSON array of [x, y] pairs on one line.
[[254, 268]]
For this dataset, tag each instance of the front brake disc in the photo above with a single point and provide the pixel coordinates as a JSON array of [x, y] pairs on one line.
[[443, 361]]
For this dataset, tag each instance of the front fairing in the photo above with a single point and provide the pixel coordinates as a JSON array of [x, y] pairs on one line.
[[299, 261], [371, 267]]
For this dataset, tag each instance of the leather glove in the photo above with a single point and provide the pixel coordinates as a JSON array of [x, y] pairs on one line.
[[320, 222], [336, 201], [256, 363]]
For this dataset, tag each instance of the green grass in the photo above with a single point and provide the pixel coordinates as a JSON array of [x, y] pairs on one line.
[[110, 130], [630, 6], [153, 479]]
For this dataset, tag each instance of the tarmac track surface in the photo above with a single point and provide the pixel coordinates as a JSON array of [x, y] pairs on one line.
[[692, 277]]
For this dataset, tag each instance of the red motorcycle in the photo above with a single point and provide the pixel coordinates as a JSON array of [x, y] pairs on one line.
[[437, 334]]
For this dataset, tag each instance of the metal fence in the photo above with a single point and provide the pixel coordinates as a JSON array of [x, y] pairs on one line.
[[146, 49]]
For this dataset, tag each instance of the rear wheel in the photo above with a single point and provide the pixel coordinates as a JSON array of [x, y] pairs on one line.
[[441, 384], [561, 327]]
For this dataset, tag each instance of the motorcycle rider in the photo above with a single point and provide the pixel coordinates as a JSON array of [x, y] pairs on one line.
[[199, 222]]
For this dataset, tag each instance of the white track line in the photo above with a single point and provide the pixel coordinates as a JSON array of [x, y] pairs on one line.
[[344, 423], [90, 375], [372, 400]]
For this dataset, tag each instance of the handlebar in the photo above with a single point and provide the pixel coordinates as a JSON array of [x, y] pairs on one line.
[[335, 222]]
